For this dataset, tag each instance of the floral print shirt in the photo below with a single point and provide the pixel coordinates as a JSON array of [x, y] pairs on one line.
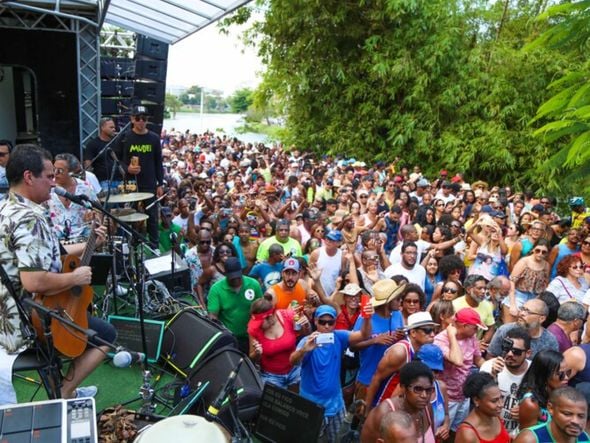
[[68, 222], [27, 243]]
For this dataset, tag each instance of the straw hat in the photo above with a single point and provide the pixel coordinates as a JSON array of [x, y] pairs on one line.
[[384, 291]]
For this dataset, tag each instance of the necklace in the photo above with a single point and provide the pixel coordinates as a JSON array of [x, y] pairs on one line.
[[420, 423]]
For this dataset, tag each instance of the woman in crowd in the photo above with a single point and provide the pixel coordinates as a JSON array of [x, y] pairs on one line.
[[442, 313], [489, 257], [272, 338], [430, 263], [451, 269], [483, 424], [439, 208], [546, 373], [530, 277], [223, 251], [584, 253], [570, 283], [347, 305], [527, 242], [412, 300]]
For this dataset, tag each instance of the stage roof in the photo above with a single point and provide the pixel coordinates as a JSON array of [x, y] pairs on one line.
[[166, 20]]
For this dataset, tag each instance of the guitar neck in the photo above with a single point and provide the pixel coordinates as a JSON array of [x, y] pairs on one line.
[[89, 249]]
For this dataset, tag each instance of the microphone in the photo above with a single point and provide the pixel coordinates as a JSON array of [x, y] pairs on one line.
[[173, 237], [214, 407], [117, 162], [81, 199], [124, 358]]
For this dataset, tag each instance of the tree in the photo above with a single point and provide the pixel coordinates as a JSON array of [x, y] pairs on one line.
[[173, 104], [567, 111], [241, 100]]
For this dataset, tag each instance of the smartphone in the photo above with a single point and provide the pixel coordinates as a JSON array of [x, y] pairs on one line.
[[325, 338]]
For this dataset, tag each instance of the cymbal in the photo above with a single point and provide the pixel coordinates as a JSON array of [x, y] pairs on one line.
[[128, 198], [135, 217]]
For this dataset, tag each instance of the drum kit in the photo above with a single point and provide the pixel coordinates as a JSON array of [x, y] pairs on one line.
[[128, 215]]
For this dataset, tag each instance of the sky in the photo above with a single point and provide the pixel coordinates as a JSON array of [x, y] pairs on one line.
[[214, 60]]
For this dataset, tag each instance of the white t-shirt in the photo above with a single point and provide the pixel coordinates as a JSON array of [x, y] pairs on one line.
[[415, 275], [395, 256], [508, 384]]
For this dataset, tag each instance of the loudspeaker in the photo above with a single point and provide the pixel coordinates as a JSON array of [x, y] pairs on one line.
[[149, 47], [117, 67], [152, 92], [115, 105], [216, 369], [190, 337], [150, 70], [116, 88]]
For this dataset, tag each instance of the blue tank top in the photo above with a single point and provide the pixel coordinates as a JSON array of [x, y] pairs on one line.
[[543, 434], [584, 374], [438, 406], [562, 251], [527, 246]]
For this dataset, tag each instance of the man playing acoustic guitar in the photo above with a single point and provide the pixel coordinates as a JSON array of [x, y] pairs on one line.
[[30, 254]]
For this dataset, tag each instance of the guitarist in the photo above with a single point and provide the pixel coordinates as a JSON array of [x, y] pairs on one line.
[[30, 254]]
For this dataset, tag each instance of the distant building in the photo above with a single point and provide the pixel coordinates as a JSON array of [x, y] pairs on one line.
[[176, 89]]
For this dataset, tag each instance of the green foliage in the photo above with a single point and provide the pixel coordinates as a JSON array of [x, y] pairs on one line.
[[441, 83], [240, 100], [173, 104], [567, 112]]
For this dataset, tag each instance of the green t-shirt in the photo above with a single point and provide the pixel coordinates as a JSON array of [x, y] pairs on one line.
[[164, 243], [291, 246], [233, 308]]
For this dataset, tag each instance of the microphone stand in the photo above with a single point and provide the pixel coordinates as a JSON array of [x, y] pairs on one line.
[[173, 240]]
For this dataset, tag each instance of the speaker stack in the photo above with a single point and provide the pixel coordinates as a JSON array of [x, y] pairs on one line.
[[126, 82]]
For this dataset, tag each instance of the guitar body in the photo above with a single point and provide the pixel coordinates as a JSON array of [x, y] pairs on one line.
[[72, 305]]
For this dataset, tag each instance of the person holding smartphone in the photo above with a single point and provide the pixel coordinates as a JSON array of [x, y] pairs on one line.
[[320, 356]]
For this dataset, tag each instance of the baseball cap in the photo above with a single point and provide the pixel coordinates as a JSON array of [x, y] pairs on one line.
[[432, 356], [139, 110], [291, 263], [422, 183], [310, 214], [456, 179], [334, 235], [166, 211], [351, 289], [444, 172], [420, 319], [233, 268], [325, 310], [538, 208], [469, 316]]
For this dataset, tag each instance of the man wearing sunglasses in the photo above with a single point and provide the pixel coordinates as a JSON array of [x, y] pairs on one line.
[[509, 370], [319, 355], [141, 152]]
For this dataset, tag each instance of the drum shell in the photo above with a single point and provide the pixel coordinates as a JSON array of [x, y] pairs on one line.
[[185, 429]]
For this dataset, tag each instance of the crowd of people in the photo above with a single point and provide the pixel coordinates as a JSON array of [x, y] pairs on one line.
[[435, 309]]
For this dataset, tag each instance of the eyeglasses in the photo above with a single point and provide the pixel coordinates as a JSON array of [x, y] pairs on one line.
[[540, 251], [527, 311], [450, 290], [326, 322], [421, 390], [426, 331], [577, 267], [142, 118], [563, 374], [516, 352]]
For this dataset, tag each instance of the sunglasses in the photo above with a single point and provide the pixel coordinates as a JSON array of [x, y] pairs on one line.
[[427, 331], [540, 251], [421, 390], [4, 154], [586, 243], [363, 196], [205, 242], [224, 252], [563, 374], [326, 322], [411, 301], [450, 290], [142, 118], [577, 267], [516, 352]]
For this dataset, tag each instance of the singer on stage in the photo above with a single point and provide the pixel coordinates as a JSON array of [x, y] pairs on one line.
[[141, 153], [70, 221], [30, 254]]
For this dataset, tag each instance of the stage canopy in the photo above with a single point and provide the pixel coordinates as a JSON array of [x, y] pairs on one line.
[[166, 20]]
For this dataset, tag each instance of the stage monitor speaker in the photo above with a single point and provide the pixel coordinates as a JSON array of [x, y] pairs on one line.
[[116, 88], [160, 268], [152, 48], [153, 92], [150, 70]]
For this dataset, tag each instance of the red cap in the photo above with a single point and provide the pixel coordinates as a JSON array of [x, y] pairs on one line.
[[469, 316], [444, 172], [456, 179], [398, 179]]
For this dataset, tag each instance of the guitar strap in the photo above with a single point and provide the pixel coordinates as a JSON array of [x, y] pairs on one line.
[[27, 329]]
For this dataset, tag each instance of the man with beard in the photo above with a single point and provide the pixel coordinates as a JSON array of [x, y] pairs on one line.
[[475, 292], [531, 317], [289, 289], [290, 245], [568, 409], [509, 371], [420, 331], [409, 266]]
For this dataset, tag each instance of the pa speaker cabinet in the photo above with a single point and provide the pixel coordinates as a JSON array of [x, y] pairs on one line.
[[150, 70], [150, 91], [152, 48]]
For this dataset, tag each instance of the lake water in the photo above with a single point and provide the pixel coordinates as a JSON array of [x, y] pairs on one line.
[[217, 123]]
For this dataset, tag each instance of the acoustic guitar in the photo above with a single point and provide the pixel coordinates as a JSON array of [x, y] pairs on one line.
[[71, 304]]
